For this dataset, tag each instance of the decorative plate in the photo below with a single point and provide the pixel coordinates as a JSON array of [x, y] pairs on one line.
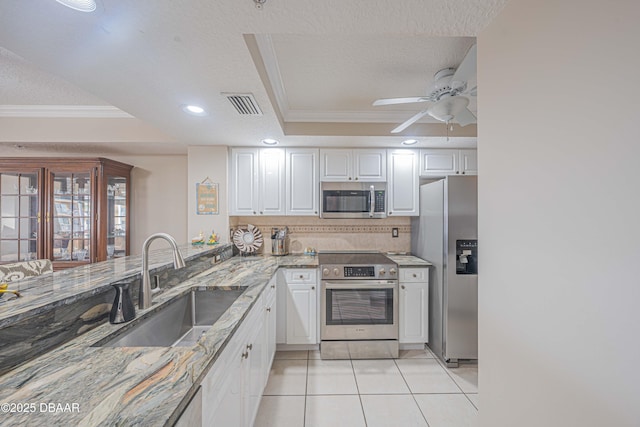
[[249, 240]]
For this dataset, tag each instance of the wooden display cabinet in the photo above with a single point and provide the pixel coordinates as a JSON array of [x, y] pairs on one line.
[[72, 211]]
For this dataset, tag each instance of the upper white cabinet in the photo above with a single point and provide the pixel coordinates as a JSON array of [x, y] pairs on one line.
[[302, 181], [257, 184], [243, 186], [367, 165], [439, 162], [403, 183]]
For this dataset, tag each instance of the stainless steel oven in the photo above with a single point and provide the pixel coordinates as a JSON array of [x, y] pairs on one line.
[[353, 200], [358, 306]]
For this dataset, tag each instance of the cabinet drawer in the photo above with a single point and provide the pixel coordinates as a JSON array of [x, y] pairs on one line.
[[300, 275], [414, 275]]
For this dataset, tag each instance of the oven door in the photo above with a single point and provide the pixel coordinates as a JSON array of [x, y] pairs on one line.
[[359, 310]]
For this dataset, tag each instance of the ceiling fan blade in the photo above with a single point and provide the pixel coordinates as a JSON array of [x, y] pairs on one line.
[[391, 101], [465, 117], [411, 121], [467, 69]]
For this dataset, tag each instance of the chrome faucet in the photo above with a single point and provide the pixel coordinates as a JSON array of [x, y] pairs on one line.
[[145, 285]]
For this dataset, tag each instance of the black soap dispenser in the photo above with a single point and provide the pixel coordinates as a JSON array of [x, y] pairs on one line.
[[122, 309]]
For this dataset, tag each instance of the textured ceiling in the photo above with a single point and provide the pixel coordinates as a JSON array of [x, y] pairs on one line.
[[149, 57]]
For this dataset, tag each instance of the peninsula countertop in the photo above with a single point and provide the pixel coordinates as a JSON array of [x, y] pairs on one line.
[[147, 386]]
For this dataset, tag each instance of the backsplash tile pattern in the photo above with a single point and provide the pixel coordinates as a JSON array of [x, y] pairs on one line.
[[333, 234]]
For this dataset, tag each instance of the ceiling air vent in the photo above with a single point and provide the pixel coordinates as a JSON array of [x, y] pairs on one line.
[[244, 103]]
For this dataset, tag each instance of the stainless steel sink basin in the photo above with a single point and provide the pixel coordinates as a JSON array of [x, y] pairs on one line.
[[180, 323]]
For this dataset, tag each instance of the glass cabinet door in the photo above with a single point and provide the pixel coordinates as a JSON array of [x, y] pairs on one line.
[[71, 216], [116, 216], [20, 213]]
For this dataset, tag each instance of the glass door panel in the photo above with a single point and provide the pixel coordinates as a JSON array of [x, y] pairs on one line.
[[71, 216], [19, 209], [116, 216]]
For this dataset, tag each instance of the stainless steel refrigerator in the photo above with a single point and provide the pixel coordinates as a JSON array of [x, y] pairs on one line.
[[446, 234]]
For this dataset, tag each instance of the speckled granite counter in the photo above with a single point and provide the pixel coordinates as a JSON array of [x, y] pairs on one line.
[[409, 261], [147, 386]]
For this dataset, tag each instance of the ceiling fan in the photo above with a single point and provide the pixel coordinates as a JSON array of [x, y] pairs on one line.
[[448, 95]]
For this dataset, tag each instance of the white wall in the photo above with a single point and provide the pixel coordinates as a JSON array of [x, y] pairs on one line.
[[211, 162], [158, 198], [559, 214]]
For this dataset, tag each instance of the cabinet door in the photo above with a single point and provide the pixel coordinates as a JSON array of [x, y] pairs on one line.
[[438, 162], [21, 206], [253, 372], [192, 414], [270, 314], [281, 302], [468, 162], [336, 165], [71, 215], [302, 181], [370, 165], [301, 314], [222, 406], [403, 184], [243, 186], [116, 187], [413, 310], [271, 182]]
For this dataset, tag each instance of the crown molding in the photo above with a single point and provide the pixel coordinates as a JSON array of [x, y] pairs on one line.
[[59, 111]]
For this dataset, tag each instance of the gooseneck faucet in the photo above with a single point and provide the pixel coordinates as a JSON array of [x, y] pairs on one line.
[[145, 285]]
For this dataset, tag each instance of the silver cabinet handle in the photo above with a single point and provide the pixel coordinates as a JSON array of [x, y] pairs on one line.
[[313, 288], [245, 355], [356, 178], [269, 309], [250, 346], [402, 286], [273, 286], [415, 275], [349, 178]]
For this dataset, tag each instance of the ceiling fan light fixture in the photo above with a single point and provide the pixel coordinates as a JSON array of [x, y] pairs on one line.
[[446, 109], [80, 5]]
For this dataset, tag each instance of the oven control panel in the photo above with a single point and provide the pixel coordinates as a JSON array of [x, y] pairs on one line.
[[378, 271], [360, 271]]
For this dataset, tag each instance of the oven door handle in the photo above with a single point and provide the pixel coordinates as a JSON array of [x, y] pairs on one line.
[[360, 284], [372, 201]]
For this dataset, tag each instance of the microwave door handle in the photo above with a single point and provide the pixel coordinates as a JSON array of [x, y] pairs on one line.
[[372, 201]]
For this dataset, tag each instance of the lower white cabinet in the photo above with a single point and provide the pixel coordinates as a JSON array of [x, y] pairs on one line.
[[232, 389], [414, 305], [301, 318]]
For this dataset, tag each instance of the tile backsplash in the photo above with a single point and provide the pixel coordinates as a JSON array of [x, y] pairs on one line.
[[333, 234]]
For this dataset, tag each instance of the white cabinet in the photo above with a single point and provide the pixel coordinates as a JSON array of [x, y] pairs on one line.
[[271, 182], [302, 312], [257, 183], [232, 390], [243, 185], [413, 307], [192, 414], [403, 183], [270, 321], [367, 165], [440, 162], [302, 181]]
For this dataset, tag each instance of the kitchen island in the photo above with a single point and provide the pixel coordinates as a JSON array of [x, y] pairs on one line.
[[77, 383]]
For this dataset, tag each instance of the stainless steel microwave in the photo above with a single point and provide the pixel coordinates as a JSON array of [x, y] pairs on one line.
[[353, 200]]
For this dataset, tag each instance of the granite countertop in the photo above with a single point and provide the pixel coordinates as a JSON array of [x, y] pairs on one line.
[[405, 260], [147, 386]]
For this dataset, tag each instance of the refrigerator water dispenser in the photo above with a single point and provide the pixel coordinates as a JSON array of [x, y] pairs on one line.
[[466, 257]]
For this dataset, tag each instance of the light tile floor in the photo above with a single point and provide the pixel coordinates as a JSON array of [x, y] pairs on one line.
[[414, 390]]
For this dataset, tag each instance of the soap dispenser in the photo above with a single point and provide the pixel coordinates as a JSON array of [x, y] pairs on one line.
[[122, 309]]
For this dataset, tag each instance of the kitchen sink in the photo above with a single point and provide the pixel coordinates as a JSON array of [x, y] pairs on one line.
[[180, 323]]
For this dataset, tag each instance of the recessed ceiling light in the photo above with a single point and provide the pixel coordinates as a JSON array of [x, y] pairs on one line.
[[269, 141], [409, 141], [81, 5], [194, 110]]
